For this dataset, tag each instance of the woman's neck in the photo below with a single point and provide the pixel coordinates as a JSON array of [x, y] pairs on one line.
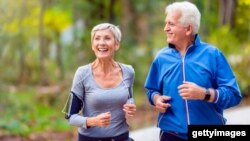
[[104, 66]]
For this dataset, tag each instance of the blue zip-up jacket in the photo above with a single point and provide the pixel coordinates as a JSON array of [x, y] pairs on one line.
[[204, 65]]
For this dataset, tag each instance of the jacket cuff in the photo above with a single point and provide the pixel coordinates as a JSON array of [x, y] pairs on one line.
[[216, 96]]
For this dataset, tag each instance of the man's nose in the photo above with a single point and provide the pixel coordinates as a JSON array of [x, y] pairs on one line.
[[166, 27]]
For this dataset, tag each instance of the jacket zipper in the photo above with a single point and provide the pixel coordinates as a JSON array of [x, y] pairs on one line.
[[184, 79]]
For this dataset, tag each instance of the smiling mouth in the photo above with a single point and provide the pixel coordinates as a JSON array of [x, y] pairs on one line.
[[102, 49], [169, 34]]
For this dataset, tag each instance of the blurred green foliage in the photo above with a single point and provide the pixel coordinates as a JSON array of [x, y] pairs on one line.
[[23, 114]]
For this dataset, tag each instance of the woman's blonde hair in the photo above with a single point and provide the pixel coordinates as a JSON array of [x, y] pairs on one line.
[[114, 29]]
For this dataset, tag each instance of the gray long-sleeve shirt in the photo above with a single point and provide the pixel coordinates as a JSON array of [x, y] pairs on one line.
[[94, 100]]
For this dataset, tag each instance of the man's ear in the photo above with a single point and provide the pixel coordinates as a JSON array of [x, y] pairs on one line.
[[189, 30]]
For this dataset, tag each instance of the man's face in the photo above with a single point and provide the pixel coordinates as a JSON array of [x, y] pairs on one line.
[[176, 32]]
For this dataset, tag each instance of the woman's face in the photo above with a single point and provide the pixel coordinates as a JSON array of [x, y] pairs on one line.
[[104, 44]]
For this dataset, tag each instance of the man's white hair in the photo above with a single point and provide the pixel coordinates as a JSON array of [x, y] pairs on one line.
[[114, 29], [190, 15]]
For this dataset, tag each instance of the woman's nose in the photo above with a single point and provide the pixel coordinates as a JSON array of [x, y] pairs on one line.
[[101, 41]]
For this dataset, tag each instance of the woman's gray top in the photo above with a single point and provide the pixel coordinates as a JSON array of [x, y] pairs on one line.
[[86, 96]]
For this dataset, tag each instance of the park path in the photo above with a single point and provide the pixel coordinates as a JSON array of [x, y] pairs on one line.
[[234, 116]]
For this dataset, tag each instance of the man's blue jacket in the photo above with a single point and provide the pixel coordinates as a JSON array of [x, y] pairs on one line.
[[204, 65]]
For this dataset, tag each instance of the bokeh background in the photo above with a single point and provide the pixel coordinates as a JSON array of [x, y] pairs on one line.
[[42, 42]]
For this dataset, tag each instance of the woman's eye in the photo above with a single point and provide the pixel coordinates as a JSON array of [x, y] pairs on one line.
[[97, 38]]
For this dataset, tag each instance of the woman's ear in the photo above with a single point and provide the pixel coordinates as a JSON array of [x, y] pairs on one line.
[[92, 47], [117, 46]]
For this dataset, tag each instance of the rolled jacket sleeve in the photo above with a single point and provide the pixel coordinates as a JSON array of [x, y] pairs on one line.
[[228, 90], [153, 82]]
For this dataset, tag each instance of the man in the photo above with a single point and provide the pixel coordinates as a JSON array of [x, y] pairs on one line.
[[189, 82]]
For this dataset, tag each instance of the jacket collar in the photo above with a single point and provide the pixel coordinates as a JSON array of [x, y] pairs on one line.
[[197, 42]]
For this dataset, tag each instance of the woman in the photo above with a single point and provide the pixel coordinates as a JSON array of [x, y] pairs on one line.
[[101, 90]]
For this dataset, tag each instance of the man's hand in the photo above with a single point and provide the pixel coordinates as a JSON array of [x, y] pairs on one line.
[[189, 90], [161, 103]]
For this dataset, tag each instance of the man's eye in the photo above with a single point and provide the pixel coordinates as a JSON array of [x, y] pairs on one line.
[[170, 24]]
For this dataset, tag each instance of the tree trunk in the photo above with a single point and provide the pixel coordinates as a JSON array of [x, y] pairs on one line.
[[128, 21], [43, 74], [22, 78], [111, 11], [59, 56], [134, 22], [226, 12]]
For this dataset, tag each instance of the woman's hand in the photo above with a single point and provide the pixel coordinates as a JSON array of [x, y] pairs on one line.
[[101, 120], [129, 109]]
